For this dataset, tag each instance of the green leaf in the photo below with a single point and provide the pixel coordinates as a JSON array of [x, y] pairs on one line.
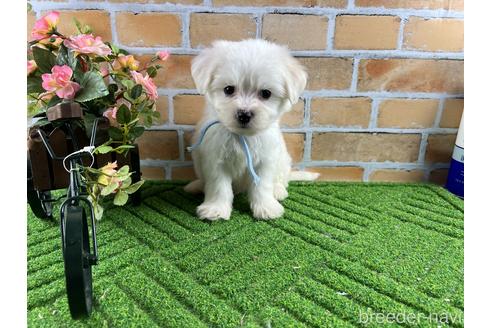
[[123, 147], [123, 115], [128, 84], [66, 57], [124, 170], [156, 114], [98, 212], [126, 183], [137, 131], [115, 133], [134, 187], [136, 91], [103, 149], [92, 86], [45, 59], [53, 101], [109, 189], [34, 85], [120, 198], [152, 71]]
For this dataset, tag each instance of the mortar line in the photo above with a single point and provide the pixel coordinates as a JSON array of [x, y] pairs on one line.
[[330, 33], [440, 109], [339, 93], [374, 113], [114, 33], [168, 173], [351, 4], [181, 144], [309, 134], [401, 31], [178, 8], [333, 53], [259, 25], [354, 129], [423, 147], [185, 32], [355, 75]]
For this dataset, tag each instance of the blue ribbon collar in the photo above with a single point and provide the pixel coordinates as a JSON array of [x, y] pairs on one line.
[[242, 140]]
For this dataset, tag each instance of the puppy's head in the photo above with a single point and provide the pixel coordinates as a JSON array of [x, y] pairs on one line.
[[249, 84]]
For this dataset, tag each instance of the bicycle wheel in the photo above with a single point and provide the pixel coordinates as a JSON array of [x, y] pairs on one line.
[[38, 200], [78, 272]]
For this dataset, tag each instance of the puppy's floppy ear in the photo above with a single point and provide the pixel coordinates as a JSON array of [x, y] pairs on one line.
[[204, 65], [295, 79]]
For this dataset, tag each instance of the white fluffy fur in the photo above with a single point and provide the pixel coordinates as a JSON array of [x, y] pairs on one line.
[[220, 163]]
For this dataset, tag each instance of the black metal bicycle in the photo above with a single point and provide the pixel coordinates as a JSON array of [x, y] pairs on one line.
[[79, 246]]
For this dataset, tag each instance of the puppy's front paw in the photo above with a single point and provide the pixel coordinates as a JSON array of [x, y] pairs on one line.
[[279, 191], [269, 209], [214, 211]]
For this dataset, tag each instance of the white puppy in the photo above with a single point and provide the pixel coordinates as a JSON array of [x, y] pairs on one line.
[[248, 85]]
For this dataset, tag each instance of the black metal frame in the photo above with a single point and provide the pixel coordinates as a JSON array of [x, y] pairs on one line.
[[77, 254]]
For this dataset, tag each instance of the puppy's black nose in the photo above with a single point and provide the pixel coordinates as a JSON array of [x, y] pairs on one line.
[[244, 116]]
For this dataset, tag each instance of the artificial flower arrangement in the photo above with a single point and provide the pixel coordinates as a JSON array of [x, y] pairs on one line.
[[106, 82]]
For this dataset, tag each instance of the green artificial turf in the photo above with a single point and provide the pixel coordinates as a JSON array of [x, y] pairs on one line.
[[342, 255]]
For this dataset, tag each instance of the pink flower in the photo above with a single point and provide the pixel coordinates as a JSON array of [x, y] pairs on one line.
[[31, 66], [110, 113], [104, 71], [147, 83], [45, 25], [126, 62], [59, 82], [107, 174], [87, 44], [163, 55]]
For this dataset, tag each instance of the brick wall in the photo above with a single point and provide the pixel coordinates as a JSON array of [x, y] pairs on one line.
[[385, 91]]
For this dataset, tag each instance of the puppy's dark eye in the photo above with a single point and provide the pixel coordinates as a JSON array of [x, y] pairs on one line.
[[229, 90], [265, 94]]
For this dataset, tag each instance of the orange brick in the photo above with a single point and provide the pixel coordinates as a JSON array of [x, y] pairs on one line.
[[366, 32], [176, 72], [183, 173], [295, 145], [365, 147], [161, 107], [205, 28], [327, 73], [158, 145], [407, 113], [31, 19], [439, 34], [439, 148], [188, 109], [148, 29], [416, 4], [295, 117], [279, 3], [341, 111], [98, 20], [439, 176], [298, 32], [181, 2], [452, 112], [411, 75], [397, 175], [342, 173], [153, 173]]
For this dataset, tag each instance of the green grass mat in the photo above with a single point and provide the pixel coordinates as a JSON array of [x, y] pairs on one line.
[[343, 255]]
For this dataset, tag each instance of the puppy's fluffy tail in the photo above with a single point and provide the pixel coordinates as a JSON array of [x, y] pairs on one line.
[[303, 176]]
